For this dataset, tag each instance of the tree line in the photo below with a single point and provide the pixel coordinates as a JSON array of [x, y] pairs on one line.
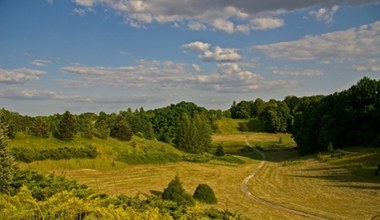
[[346, 118]]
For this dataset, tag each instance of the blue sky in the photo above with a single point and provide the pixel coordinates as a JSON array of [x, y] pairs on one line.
[[109, 55]]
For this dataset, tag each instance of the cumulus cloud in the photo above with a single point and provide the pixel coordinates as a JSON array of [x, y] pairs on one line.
[[20, 75], [370, 65], [217, 53], [324, 14], [266, 23], [296, 72], [364, 40], [40, 63], [223, 25], [223, 15], [79, 11]]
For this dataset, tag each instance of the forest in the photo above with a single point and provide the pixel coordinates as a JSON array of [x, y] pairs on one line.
[[317, 123]]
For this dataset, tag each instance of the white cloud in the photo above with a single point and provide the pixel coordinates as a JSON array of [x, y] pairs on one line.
[[197, 45], [296, 72], [324, 14], [20, 75], [370, 65], [266, 23], [221, 55], [349, 43], [217, 53], [223, 25], [40, 63], [224, 15]]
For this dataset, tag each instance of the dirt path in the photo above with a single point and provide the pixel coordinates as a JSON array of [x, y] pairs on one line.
[[244, 188]]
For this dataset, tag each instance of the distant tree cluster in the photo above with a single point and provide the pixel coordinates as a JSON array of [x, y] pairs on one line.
[[347, 118]]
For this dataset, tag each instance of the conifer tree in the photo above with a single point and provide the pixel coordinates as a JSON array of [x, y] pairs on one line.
[[204, 193], [175, 192], [66, 127]]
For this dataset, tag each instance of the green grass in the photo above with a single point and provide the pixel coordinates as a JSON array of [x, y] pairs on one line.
[[235, 126]]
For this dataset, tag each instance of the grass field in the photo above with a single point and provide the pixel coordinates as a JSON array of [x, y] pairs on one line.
[[332, 187]]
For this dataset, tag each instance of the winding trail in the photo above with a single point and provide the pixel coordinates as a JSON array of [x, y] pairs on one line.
[[245, 190]]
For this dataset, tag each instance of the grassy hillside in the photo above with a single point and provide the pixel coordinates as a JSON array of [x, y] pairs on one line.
[[112, 153]]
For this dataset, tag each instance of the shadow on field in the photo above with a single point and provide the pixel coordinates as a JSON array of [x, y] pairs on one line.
[[271, 154], [344, 174]]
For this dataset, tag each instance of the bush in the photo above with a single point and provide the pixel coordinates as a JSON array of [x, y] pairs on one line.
[[219, 151], [176, 193], [204, 193]]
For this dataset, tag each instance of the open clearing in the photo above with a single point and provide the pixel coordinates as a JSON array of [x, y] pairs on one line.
[[326, 189]]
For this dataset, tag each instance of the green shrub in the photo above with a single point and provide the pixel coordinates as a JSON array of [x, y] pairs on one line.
[[219, 151], [204, 193], [176, 193]]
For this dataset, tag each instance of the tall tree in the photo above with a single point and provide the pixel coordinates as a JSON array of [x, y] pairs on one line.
[[121, 129], [66, 127], [6, 160], [40, 127]]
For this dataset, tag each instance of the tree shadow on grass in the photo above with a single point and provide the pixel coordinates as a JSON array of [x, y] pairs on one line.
[[156, 193], [341, 174]]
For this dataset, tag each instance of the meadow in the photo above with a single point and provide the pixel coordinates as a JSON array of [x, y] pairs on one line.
[[325, 185]]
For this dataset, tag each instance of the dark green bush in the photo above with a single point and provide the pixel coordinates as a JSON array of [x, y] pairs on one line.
[[176, 193], [204, 193]]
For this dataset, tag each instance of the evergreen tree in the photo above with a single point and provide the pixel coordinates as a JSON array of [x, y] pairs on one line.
[[66, 127], [102, 130], [175, 192], [121, 129], [204, 193], [6, 161], [40, 128]]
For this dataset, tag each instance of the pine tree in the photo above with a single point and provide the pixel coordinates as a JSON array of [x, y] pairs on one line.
[[175, 192], [121, 129], [66, 127], [88, 129], [6, 160], [219, 151]]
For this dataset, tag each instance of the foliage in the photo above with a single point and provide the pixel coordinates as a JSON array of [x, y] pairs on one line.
[[204, 193], [66, 127], [347, 118], [6, 161], [43, 187], [40, 128], [102, 130], [194, 135], [176, 193], [219, 151], [28, 155], [276, 116], [121, 129]]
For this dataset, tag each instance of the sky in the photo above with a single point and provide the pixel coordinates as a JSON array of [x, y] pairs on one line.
[[111, 55]]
